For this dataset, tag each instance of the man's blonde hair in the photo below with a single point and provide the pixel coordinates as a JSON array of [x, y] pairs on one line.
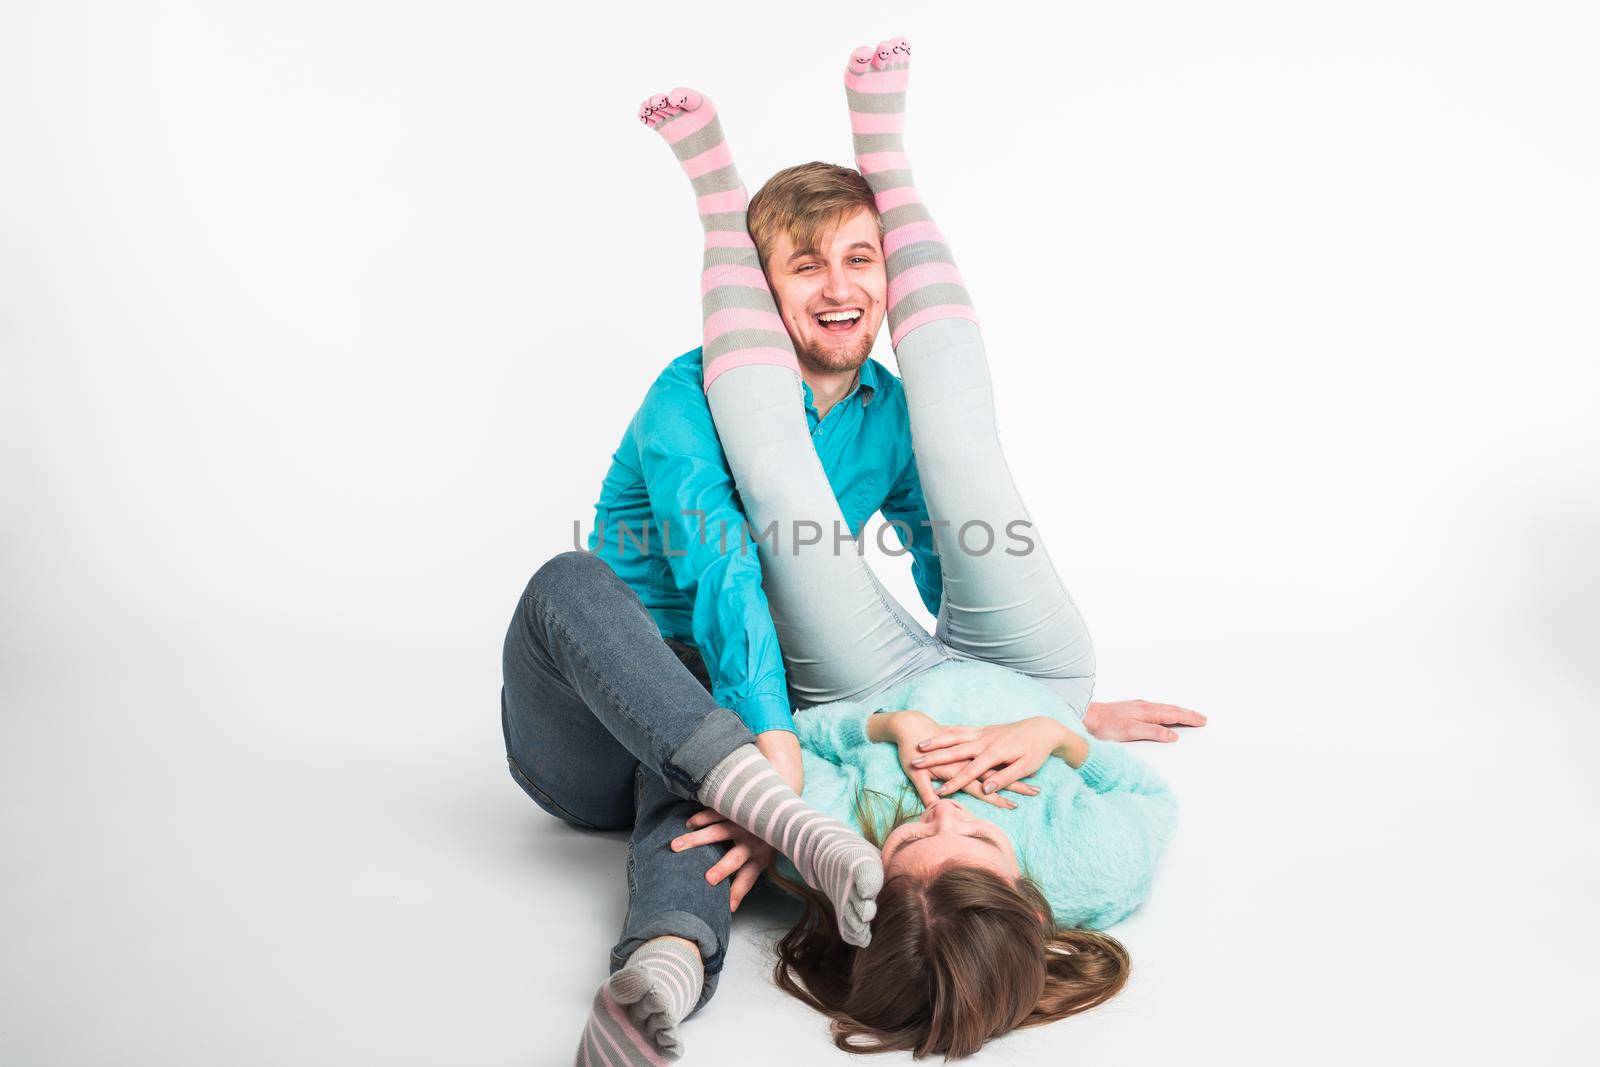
[[807, 202]]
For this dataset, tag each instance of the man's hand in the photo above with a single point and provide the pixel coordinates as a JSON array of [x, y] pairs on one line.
[[746, 860], [1138, 720], [782, 749]]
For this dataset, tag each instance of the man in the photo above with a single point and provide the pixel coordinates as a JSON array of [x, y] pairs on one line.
[[669, 521], [818, 235]]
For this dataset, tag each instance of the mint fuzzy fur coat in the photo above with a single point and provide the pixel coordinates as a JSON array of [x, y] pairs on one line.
[[1091, 839]]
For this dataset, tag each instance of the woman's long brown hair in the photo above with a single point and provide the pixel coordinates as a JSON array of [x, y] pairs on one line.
[[956, 959]]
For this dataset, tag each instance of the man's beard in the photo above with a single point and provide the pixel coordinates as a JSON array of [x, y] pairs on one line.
[[835, 360]]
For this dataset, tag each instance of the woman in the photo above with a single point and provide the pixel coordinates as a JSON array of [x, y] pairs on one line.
[[965, 945]]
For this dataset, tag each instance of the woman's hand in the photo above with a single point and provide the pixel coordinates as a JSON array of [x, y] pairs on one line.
[[999, 755], [909, 729], [748, 857]]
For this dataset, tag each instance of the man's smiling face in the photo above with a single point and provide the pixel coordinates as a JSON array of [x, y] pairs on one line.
[[832, 297]]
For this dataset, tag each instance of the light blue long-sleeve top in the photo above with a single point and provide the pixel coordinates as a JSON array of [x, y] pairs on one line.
[[1091, 839], [669, 484]]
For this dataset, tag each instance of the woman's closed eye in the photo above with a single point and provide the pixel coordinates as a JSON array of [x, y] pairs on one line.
[[912, 837]]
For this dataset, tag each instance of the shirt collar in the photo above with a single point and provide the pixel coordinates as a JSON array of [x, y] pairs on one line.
[[867, 381]]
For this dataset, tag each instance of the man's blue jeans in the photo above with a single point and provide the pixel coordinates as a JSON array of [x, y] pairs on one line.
[[608, 728]]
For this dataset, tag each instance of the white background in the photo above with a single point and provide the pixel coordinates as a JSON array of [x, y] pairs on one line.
[[321, 320]]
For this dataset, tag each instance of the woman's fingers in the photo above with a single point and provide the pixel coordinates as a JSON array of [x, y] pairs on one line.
[[989, 798], [732, 861], [953, 736], [1009, 777], [923, 782], [722, 831], [1019, 787], [742, 883], [973, 769], [946, 756]]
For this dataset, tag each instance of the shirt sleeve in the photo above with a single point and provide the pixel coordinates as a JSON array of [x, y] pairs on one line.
[[710, 553], [907, 513]]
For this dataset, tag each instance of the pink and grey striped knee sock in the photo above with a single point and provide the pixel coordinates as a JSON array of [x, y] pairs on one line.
[[924, 285], [636, 1012], [743, 328], [829, 855], [742, 325]]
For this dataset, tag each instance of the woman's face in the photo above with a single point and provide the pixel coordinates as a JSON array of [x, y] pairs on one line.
[[947, 833]]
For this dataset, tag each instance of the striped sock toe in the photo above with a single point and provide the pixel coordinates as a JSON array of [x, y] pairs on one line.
[[741, 320], [829, 855], [924, 284], [635, 1016]]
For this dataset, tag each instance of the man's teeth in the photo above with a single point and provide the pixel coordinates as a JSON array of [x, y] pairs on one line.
[[839, 316]]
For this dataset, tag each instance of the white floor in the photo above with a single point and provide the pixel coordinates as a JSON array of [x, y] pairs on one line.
[[1380, 865]]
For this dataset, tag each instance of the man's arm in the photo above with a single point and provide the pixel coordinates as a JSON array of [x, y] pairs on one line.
[[693, 500], [906, 511]]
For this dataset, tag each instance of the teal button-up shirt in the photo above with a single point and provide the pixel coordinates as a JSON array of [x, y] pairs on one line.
[[669, 495]]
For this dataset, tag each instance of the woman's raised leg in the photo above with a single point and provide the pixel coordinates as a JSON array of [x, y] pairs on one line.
[[843, 635], [1003, 599]]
